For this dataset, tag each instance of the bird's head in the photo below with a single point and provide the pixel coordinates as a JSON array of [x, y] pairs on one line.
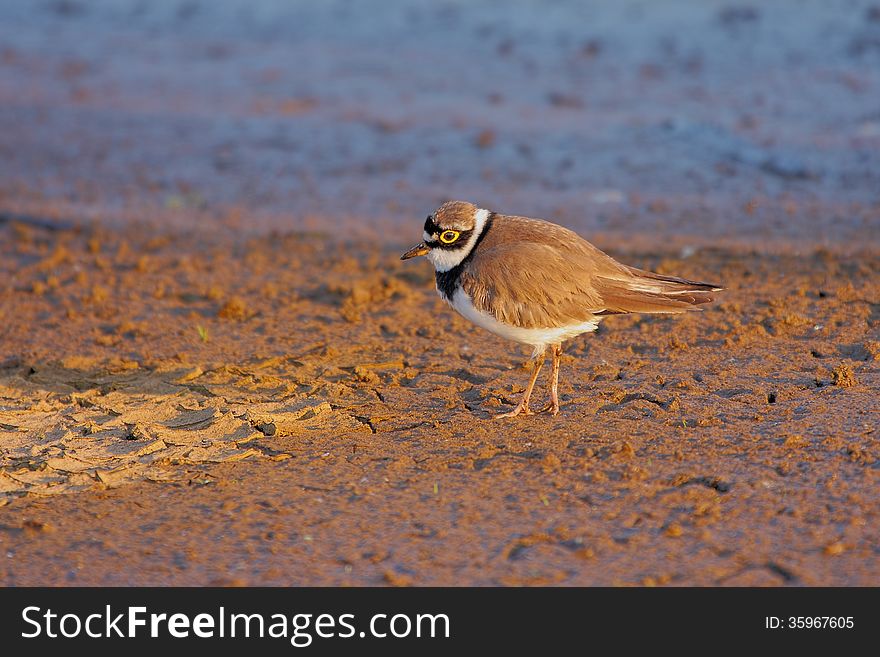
[[450, 233]]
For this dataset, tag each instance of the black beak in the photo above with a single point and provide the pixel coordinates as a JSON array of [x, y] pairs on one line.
[[419, 249]]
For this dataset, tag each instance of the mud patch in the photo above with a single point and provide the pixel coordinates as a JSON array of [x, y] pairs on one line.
[[67, 430], [339, 431]]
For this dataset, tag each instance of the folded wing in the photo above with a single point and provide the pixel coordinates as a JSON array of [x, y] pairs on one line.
[[539, 285]]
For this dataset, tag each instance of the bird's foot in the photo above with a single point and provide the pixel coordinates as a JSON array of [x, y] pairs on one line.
[[521, 409], [552, 407]]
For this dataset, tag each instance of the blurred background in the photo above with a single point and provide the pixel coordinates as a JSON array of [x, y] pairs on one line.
[[705, 119]]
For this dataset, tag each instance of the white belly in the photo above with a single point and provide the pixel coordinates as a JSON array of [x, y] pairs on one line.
[[537, 337]]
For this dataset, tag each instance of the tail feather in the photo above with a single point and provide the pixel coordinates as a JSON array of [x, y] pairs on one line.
[[674, 284], [648, 292]]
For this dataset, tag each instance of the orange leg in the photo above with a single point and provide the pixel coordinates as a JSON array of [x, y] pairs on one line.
[[553, 404], [523, 407]]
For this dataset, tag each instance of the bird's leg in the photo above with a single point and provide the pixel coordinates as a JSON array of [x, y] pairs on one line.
[[523, 407], [553, 404]]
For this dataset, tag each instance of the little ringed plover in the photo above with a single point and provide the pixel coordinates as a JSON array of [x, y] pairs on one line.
[[537, 283]]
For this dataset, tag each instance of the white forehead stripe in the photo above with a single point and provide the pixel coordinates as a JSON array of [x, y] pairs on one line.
[[446, 259]]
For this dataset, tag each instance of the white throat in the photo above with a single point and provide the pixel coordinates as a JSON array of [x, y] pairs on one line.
[[445, 259]]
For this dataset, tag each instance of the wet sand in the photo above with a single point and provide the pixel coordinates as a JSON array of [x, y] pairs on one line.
[[297, 410], [215, 370]]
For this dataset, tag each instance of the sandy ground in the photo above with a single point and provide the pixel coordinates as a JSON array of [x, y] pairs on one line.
[[215, 370], [297, 410]]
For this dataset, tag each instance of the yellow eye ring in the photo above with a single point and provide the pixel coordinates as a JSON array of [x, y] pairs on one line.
[[449, 236]]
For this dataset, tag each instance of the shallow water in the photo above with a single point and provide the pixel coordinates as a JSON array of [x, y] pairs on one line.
[[703, 121]]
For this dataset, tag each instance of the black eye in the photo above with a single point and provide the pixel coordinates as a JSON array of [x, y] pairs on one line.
[[449, 236]]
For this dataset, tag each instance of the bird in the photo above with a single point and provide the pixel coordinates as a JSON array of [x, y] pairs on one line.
[[538, 283]]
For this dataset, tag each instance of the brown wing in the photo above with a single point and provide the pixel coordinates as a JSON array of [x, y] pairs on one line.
[[536, 274], [531, 285], [639, 291]]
